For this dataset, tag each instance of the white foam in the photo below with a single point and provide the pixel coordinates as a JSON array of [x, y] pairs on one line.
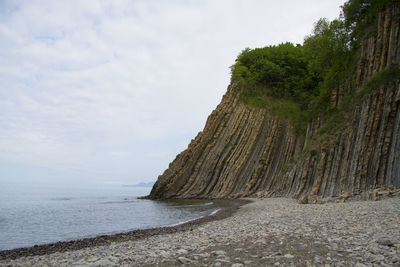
[[180, 223]]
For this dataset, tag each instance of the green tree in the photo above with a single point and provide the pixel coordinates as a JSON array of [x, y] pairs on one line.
[[330, 60], [360, 16], [296, 81], [276, 71]]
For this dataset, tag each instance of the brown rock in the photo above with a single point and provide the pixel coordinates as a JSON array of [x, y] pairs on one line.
[[345, 195], [375, 196], [260, 194], [303, 200], [314, 199]]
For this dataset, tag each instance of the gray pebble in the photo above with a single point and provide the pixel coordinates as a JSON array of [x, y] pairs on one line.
[[184, 260], [385, 242]]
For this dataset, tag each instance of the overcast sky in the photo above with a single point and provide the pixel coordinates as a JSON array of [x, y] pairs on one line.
[[110, 91]]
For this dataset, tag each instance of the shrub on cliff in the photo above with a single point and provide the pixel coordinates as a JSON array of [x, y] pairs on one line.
[[296, 78], [297, 81], [275, 71]]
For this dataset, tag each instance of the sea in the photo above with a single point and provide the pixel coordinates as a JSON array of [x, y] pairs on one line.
[[33, 215]]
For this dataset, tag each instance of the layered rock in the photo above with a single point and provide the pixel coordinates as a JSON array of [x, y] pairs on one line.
[[245, 151]]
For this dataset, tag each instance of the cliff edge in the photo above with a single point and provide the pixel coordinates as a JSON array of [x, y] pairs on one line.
[[250, 151]]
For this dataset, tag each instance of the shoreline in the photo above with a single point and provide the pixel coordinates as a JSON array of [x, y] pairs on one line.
[[63, 246], [265, 232]]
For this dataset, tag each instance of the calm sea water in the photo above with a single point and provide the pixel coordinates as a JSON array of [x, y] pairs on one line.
[[31, 215]]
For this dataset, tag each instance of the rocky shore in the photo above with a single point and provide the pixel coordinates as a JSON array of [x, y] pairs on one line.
[[266, 232]]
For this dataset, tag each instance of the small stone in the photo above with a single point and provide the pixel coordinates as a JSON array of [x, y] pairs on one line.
[[385, 242], [396, 259], [104, 262], [217, 264], [163, 253], [288, 256], [182, 251], [92, 259], [224, 260], [380, 258], [317, 259], [184, 260], [237, 265], [359, 264], [260, 241], [219, 252]]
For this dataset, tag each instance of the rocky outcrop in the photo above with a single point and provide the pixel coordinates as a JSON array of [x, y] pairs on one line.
[[237, 146], [246, 151]]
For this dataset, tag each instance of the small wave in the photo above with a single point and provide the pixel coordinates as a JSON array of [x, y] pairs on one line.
[[61, 198], [191, 220], [191, 206], [118, 202], [214, 212]]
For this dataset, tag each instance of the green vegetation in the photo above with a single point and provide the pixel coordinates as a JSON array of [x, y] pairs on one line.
[[383, 78], [361, 16], [277, 71], [297, 81]]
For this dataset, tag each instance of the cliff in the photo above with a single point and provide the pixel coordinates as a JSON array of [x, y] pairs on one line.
[[248, 151]]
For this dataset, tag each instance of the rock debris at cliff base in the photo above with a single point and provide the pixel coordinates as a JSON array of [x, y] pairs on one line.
[[268, 232]]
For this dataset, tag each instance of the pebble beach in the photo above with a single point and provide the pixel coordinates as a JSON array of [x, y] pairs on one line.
[[265, 232]]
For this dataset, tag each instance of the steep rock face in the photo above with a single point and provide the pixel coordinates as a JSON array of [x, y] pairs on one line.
[[244, 151], [367, 153], [229, 155]]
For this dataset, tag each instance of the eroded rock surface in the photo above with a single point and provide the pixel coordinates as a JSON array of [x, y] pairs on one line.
[[246, 151]]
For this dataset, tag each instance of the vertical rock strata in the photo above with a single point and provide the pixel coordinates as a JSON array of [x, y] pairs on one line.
[[246, 151]]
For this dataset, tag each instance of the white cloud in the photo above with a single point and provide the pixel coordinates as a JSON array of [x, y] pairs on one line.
[[116, 87]]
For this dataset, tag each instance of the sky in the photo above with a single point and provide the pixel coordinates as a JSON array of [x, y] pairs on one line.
[[110, 91]]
